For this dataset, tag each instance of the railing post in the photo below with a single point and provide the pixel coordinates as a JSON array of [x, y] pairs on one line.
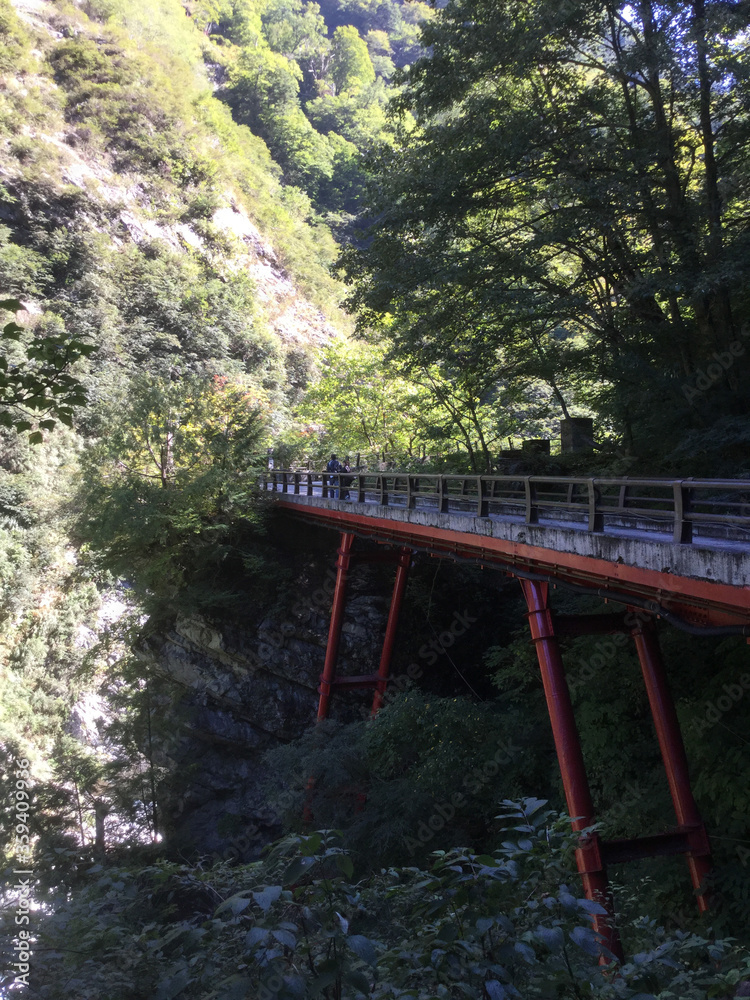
[[310, 487], [324, 485], [596, 517], [442, 495], [383, 491], [683, 526], [360, 488], [297, 479], [481, 505], [532, 511], [284, 482], [623, 501], [409, 497]]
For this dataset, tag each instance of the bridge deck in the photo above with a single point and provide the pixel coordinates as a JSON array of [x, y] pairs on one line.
[[680, 547]]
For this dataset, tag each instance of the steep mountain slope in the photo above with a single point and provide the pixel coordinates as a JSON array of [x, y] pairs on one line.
[[137, 216], [111, 133]]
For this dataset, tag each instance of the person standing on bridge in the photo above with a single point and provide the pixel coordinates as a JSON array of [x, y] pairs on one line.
[[346, 481], [334, 466]]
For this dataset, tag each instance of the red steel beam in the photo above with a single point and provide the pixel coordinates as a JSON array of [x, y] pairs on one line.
[[570, 757], [703, 601], [337, 620], [399, 586], [675, 759]]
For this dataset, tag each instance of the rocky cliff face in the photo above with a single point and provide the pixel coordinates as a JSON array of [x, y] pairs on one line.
[[240, 689], [205, 189]]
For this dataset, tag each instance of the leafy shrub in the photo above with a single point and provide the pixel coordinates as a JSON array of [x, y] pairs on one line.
[[14, 41], [417, 777], [507, 924]]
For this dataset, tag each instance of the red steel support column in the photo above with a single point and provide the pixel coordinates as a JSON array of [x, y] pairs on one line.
[[399, 586], [337, 620], [570, 757], [673, 754]]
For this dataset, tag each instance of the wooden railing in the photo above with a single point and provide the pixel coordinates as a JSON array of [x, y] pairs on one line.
[[685, 508]]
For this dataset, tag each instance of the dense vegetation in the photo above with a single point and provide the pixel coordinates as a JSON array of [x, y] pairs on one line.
[[541, 211], [570, 208]]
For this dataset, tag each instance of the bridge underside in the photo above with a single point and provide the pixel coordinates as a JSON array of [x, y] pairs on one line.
[[696, 603], [689, 586]]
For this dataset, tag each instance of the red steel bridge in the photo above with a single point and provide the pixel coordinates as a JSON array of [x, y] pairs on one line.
[[672, 549]]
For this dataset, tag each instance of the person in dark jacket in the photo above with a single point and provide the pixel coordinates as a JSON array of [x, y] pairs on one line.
[[334, 466], [346, 481]]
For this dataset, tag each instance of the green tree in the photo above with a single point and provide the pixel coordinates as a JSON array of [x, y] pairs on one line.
[[364, 408], [351, 66], [35, 379], [573, 192], [380, 49], [169, 499]]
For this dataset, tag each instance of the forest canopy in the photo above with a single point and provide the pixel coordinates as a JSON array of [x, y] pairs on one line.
[[572, 206]]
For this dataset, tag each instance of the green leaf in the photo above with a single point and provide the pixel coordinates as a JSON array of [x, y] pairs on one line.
[[36, 438], [344, 864], [236, 904], [586, 940], [267, 897], [311, 845], [363, 948], [322, 982], [256, 935], [591, 906], [552, 937], [297, 868], [12, 331], [358, 980], [11, 305], [285, 938], [448, 932], [494, 990], [171, 987], [525, 951]]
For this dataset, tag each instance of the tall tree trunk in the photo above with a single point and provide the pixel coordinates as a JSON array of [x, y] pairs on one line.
[[721, 306], [167, 454], [101, 810], [152, 777], [80, 814]]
